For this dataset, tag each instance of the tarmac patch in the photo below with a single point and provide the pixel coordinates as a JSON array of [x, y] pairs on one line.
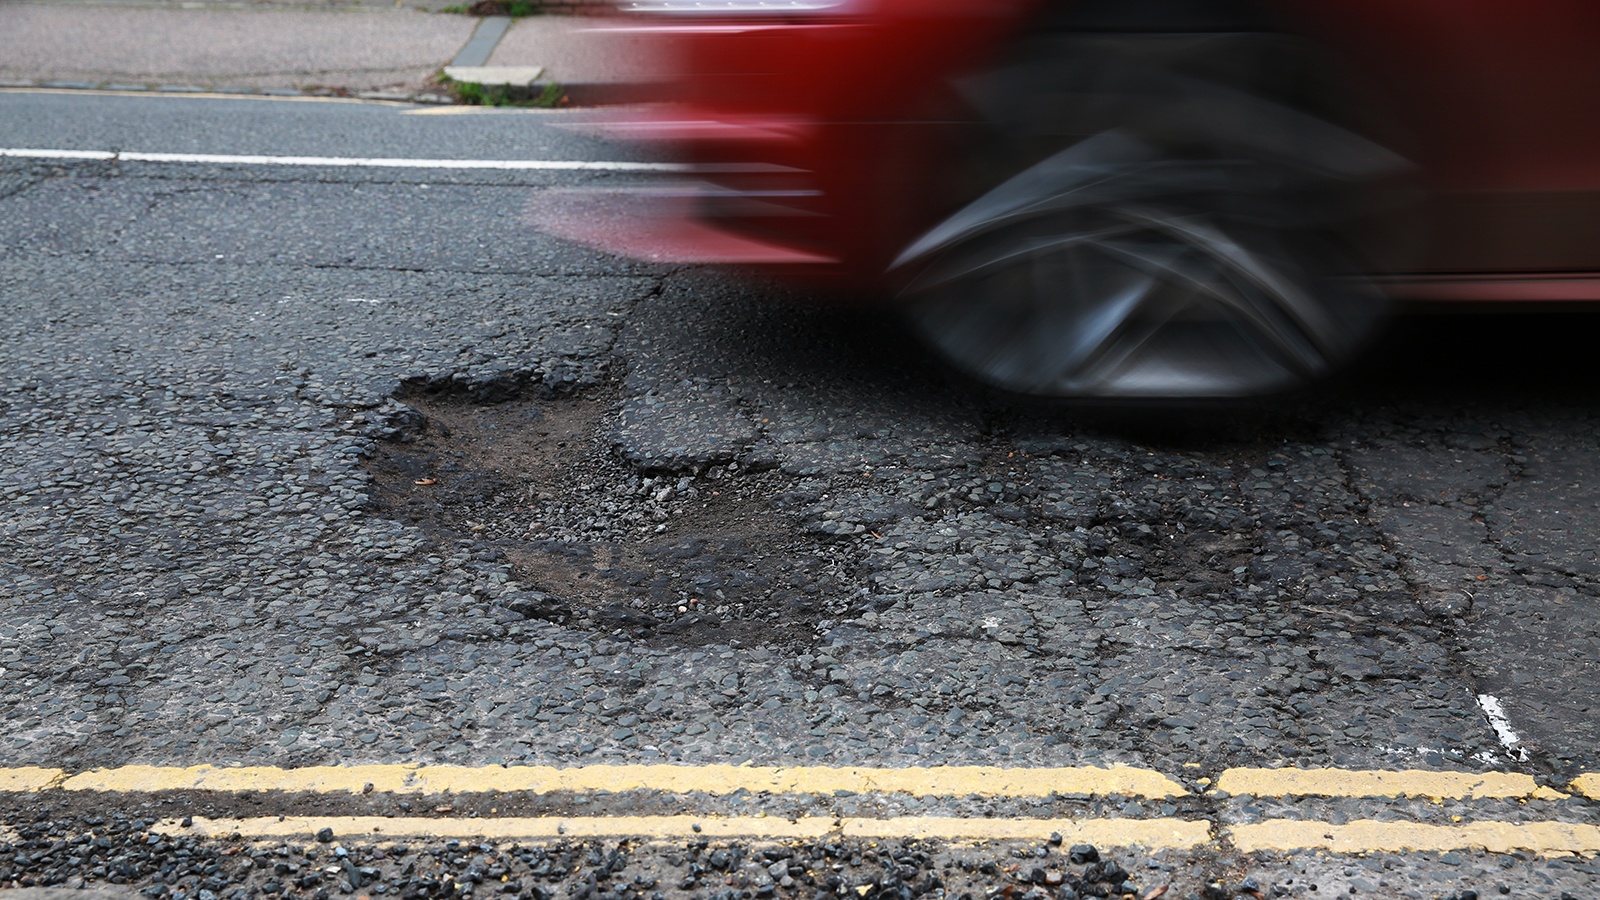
[[712, 553]]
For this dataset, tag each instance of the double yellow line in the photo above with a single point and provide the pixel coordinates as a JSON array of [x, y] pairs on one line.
[[1361, 836]]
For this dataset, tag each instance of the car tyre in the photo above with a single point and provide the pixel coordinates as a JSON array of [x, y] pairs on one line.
[[1163, 215]]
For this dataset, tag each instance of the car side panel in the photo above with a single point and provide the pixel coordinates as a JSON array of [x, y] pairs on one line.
[[1500, 104]]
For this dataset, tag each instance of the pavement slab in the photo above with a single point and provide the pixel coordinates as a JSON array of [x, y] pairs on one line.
[[580, 49], [258, 48]]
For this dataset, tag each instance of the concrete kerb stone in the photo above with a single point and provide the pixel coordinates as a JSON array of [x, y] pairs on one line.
[[495, 76]]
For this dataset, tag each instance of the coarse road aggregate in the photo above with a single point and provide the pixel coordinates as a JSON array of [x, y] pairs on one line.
[[311, 467]]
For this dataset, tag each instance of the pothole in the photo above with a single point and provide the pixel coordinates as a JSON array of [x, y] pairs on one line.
[[712, 554]]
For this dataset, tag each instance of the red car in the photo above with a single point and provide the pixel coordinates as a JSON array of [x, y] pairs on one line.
[[1129, 198]]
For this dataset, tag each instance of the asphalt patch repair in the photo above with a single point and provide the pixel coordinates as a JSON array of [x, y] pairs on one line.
[[706, 555]]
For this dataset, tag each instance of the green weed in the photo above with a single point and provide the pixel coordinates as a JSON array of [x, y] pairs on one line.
[[516, 9], [472, 94], [553, 95]]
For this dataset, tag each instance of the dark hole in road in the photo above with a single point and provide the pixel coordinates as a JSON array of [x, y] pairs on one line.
[[683, 558]]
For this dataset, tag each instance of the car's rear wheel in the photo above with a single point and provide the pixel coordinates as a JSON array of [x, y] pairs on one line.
[[1161, 216]]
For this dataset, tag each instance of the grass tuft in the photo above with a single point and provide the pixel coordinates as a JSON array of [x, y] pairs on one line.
[[516, 9], [548, 96]]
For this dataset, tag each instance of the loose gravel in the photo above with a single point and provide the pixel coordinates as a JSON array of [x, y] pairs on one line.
[[117, 855]]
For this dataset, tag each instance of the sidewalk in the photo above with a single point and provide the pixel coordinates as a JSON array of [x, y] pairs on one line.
[[280, 46]]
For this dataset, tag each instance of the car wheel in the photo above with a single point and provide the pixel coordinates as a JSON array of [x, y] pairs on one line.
[[1162, 215]]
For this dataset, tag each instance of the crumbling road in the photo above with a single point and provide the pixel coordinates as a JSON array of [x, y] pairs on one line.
[[310, 465]]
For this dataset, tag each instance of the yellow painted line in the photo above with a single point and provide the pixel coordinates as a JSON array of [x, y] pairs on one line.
[[934, 781], [1369, 836], [30, 779], [1151, 833], [508, 828], [1383, 783]]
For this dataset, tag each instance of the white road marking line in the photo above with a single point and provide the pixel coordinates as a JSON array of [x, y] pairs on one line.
[[369, 301], [1496, 714], [356, 162], [59, 154]]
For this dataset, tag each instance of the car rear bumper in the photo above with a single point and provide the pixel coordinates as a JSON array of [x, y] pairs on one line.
[[664, 225], [805, 139]]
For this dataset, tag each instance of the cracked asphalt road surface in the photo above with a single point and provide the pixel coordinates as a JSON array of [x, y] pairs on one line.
[[304, 467]]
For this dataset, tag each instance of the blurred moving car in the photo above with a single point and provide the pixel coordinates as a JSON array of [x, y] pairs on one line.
[[1127, 198]]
